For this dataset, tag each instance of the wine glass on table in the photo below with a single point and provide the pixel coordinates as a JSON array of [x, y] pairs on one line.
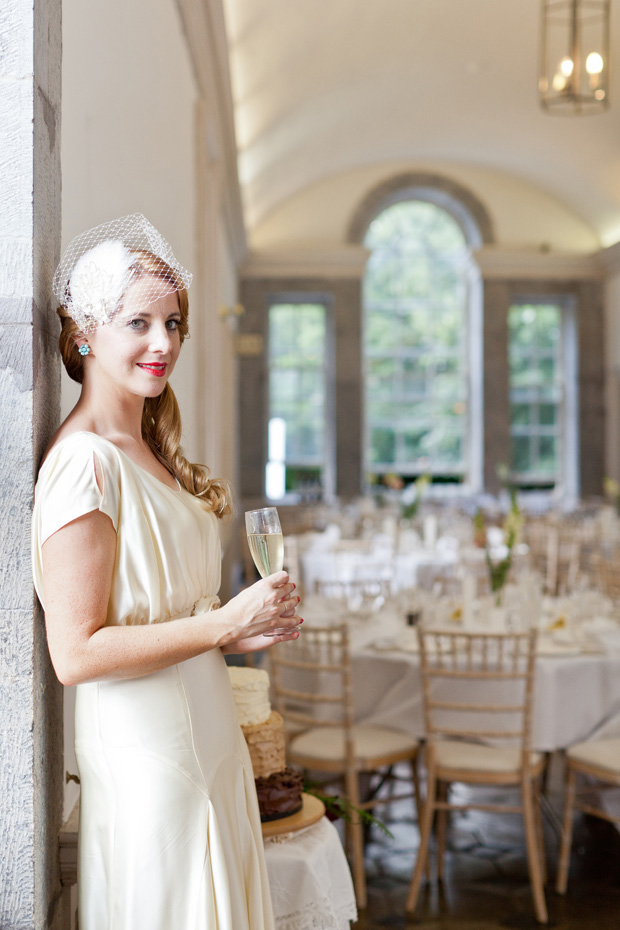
[[266, 544]]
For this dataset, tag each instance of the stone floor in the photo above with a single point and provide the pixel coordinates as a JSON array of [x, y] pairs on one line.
[[486, 883]]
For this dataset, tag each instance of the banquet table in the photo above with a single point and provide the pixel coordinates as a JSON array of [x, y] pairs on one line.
[[576, 692], [575, 697], [310, 881]]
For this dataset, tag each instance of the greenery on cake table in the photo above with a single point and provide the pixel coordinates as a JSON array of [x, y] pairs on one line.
[[338, 807]]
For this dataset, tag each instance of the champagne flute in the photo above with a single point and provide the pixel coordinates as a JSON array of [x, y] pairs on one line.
[[266, 544]]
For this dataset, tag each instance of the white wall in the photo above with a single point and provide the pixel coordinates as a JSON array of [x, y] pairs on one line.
[[130, 144], [524, 217], [128, 131]]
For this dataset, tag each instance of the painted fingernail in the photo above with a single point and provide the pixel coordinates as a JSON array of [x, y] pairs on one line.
[[298, 599], [294, 586]]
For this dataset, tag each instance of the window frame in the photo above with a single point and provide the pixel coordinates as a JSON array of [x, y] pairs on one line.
[[473, 477], [567, 486], [318, 298]]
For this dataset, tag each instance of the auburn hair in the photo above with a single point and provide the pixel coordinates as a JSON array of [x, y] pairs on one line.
[[161, 418]]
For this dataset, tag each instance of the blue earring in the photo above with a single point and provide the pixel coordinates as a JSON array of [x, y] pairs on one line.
[[85, 349]]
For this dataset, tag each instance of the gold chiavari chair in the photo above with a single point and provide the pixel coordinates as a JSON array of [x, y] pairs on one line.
[[469, 680], [312, 688], [597, 760]]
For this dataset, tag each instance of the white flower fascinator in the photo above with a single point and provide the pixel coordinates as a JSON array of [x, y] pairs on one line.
[[99, 265]]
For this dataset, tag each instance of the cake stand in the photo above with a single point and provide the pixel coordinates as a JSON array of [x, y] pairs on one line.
[[311, 812]]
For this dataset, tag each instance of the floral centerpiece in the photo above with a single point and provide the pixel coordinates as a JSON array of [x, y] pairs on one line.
[[411, 497], [500, 568]]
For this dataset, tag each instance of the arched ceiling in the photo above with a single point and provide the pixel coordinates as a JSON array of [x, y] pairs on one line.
[[328, 86]]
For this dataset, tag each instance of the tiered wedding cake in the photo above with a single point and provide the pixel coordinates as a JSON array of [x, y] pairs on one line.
[[278, 788]]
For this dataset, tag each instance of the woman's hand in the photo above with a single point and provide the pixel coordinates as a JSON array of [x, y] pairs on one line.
[[265, 606], [260, 642]]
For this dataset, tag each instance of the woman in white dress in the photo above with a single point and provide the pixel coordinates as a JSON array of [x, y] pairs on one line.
[[127, 565]]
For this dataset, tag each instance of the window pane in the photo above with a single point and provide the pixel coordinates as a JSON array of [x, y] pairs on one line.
[[383, 445], [415, 298], [546, 455], [547, 414], [520, 414], [297, 378], [521, 454]]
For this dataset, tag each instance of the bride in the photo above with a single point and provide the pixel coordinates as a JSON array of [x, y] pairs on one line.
[[126, 562]]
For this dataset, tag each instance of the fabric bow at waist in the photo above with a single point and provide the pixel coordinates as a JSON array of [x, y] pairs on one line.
[[202, 606]]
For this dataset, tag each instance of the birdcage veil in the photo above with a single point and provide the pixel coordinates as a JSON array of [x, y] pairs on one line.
[[99, 265]]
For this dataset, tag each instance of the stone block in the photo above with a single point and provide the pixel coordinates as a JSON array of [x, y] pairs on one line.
[[16, 163], [16, 39]]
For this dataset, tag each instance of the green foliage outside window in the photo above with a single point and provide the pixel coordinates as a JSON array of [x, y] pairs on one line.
[[297, 335], [536, 392], [415, 337]]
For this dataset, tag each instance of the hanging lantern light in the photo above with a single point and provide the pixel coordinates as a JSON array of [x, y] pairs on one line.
[[574, 65]]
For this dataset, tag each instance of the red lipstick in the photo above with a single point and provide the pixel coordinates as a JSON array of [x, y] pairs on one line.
[[155, 368]]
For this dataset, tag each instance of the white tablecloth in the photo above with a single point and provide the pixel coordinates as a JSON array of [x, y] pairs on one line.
[[575, 697], [400, 568], [311, 886]]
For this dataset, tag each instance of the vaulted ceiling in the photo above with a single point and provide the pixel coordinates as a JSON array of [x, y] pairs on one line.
[[323, 87]]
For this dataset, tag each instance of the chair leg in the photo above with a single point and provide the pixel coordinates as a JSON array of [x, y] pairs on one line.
[[442, 824], [567, 832], [416, 788], [356, 834], [540, 835], [545, 774], [425, 832], [533, 853], [419, 806]]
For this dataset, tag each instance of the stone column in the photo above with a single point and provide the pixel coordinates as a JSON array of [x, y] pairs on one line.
[[31, 774]]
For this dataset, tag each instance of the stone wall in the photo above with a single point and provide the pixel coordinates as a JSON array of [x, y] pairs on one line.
[[30, 696]]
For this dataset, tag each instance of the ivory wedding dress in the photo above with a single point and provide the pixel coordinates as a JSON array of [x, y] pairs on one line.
[[170, 835]]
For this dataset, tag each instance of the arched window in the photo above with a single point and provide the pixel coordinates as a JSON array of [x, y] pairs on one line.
[[422, 346]]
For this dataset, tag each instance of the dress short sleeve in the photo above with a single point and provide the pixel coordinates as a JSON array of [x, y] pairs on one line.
[[67, 489]]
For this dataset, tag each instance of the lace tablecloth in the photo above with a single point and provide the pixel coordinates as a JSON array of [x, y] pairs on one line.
[[311, 885]]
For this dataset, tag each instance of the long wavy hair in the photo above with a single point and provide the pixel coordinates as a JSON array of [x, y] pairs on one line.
[[161, 418]]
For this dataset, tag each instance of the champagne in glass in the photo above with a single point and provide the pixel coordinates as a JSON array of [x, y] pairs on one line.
[[267, 551], [266, 543]]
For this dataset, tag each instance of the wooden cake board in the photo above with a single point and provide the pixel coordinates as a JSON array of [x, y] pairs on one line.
[[311, 812]]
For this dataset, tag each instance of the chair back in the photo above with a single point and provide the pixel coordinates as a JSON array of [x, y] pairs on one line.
[[478, 686], [608, 575], [311, 679]]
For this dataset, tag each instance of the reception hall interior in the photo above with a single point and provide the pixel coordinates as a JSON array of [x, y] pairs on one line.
[[404, 222]]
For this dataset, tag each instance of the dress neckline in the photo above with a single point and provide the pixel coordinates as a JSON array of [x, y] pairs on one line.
[[145, 471]]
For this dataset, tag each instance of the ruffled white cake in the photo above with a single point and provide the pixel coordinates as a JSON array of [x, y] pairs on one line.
[[251, 692]]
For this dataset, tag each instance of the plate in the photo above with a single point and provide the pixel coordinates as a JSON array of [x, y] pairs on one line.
[[311, 812], [548, 649]]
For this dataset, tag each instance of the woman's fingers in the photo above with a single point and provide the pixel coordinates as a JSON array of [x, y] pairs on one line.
[[278, 579], [281, 638], [284, 591]]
